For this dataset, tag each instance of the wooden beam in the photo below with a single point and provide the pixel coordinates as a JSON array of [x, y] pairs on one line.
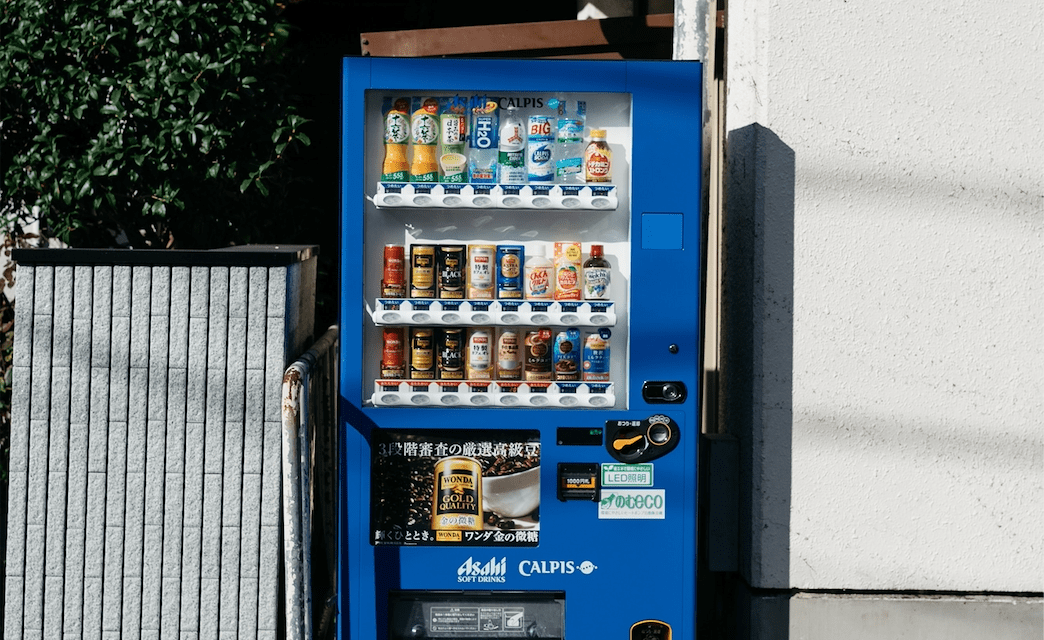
[[644, 37]]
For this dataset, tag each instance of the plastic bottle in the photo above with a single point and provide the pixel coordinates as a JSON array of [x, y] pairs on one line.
[[454, 135], [512, 158], [539, 274], [597, 275], [569, 145], [598, 158], [540, 166], [482, 141], [425, 137], [396, 168], [596, 356]]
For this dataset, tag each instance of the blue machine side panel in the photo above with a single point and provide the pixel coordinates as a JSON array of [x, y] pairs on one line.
[[614, 571]]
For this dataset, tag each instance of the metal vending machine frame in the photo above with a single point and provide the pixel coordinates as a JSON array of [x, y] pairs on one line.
[[475, 507]]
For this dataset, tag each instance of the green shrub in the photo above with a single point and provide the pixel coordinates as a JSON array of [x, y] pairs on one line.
[[160, 122]]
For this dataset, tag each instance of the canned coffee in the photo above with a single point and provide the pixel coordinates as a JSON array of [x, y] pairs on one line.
[[567, 355], [451, 356], [480, 363], [509, 367], [393, 364], [537, 350], [393, 282], [422, 362], [509, 270], [422, 271], [481, 271], [451, 260]]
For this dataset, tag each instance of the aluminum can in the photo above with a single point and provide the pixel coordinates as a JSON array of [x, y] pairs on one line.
[[451, 355], [480, 361], [567, 355], [451, 260], [510, 258], [509, 366], [482, 271], [393, 282], [422, 271], [537, 355], [457, 502], [393, 362], [422, 360]]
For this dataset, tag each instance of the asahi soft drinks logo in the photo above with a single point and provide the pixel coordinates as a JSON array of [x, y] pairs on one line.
[[495, 570], [476, 571]]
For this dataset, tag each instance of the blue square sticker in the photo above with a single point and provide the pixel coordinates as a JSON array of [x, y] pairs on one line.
[[662, 231]]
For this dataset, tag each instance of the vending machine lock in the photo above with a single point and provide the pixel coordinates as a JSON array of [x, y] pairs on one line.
[[631, 441], [661, 392]]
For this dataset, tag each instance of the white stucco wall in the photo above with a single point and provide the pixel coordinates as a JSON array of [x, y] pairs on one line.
[[896, 430]]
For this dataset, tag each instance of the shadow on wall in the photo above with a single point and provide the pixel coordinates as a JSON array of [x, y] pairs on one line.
[[757, 363]]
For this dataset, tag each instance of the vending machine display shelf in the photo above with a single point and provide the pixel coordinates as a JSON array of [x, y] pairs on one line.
[[485, 393], [413, 311], [596, 197]]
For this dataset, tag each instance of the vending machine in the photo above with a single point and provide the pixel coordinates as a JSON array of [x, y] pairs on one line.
[[520, 306]]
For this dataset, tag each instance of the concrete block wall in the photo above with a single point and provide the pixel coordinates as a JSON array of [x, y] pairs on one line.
[[883, 261], [145, 456]]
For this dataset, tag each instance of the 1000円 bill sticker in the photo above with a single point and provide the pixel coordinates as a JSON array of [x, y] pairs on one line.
[[632, 504], [455, 487]]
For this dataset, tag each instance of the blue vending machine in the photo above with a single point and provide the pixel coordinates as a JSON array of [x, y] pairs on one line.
[[520, 310]]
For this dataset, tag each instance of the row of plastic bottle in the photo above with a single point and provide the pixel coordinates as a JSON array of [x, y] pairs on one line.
[[457, 141]]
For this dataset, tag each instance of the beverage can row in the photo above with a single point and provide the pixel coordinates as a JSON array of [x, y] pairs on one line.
[[484, 353], [487, 272]]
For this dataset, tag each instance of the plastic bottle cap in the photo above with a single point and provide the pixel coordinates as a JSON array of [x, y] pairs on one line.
[[538, 250], [597, 133]]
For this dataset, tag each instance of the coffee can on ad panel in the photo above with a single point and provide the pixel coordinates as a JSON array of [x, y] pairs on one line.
[[537, 355], [480, 356], [422, 354], [393, 282], [393, 360], [482, 271], [450, 354], [451, 260], [509, 364], [567, 355], [457, 493], [510, 261], [422, 271]]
